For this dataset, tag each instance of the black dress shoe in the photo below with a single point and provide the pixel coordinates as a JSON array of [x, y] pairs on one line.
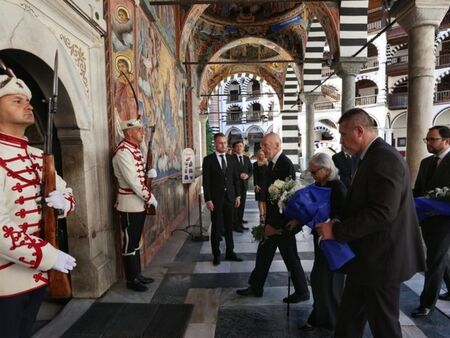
[[136, 285], [216, 260], [445, 296], [244, 221], [296, 298], [249, 292], [233, 257], [145, 280], [306, 327], [238, 229], [421, 312]]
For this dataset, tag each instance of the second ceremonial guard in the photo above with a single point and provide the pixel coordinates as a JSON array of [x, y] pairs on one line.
[[132, 199]]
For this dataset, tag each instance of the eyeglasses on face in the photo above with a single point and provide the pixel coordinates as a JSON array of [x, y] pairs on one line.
[[313, 172], [431, 139]]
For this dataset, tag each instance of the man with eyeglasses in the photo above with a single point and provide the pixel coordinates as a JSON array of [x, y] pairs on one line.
[[133, 197], [434, 172]]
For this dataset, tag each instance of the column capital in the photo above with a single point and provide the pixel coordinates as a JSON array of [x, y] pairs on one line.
[[310, 98], [415, 13], [348, 65], [203, 117]]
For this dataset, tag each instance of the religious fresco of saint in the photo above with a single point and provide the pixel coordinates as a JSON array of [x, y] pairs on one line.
[[123, 63], [161, 95]]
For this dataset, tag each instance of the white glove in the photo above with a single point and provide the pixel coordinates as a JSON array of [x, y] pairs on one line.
[[152, 173], [56, 200], [153, 201], [64, 262]]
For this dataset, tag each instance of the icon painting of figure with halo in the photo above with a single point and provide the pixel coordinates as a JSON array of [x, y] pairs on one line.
[[124, 101], [122, 30]]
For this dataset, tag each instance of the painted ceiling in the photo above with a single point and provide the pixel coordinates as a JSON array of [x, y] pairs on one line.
[[277, 31]]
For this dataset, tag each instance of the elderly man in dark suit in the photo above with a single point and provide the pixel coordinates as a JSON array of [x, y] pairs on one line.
[[380, 224], [222, 194], [277, 231], [434, 172], [245, 169]]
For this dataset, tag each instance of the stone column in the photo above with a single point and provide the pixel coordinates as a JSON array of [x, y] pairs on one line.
[[347, 68], [203, 117], [309, 99], [419, 18]]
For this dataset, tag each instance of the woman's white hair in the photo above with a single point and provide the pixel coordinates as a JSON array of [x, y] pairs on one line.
[[323, 160]]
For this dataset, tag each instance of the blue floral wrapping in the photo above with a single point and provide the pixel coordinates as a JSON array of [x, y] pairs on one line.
[[426, 206], [311, 205]]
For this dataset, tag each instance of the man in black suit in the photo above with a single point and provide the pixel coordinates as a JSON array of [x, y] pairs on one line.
[[277, 232], [346, 165], [222, 194], [434, 172], [245, 172], [380, 225]]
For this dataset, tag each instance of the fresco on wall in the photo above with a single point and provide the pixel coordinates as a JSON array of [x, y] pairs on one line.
[[123, 63], [166, 17], [161, 96]]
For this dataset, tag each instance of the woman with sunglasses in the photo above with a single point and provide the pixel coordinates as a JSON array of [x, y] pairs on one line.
[[326, 285]]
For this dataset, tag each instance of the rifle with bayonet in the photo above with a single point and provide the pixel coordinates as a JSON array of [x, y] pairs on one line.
[[59, 284]]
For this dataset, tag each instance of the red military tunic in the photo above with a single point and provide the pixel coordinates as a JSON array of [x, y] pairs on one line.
[[129, 168], [24, 256]]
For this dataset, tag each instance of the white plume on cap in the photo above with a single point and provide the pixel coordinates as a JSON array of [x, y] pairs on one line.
[[127, 124], [13, 85]]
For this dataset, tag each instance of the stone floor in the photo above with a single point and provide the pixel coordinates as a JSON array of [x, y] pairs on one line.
[[184, 273]]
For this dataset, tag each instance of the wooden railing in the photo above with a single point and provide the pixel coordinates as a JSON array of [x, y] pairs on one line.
[[398, 100], [365, 100], [234, 118], [372, 62], [443, 60], [373, 26], [327, 105], [442, 96]]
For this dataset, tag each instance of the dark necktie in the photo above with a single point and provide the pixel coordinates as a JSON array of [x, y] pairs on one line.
[[223, 164], [432, 169], [270, 165], [241, 160]]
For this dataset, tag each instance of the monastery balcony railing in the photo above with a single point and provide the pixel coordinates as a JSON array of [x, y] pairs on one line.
[[365, 100], [234, 98], [327, 71], [327, 105], [374, 26], [233, 118], [443, 61], [254, 116], [442, 96], [372, 63], [398, 100]]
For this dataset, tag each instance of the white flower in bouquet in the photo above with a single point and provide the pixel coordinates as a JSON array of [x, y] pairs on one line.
[[442, 194], [280, 192]]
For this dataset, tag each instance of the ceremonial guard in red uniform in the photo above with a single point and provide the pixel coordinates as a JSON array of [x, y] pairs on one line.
[[132, 198], [24, 255]]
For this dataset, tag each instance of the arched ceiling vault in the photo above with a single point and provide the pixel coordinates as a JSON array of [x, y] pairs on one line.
[[258, 32], [275, 71]]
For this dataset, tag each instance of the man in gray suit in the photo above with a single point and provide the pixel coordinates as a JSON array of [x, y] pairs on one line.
[[434, 172], [380, 225]]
